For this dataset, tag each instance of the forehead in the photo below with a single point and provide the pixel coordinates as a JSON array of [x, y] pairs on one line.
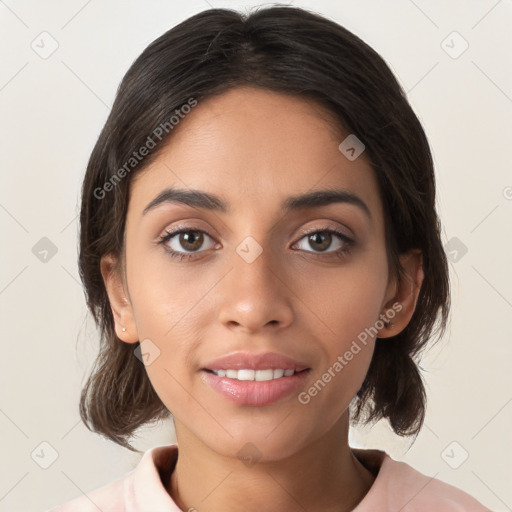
[[255, 148]]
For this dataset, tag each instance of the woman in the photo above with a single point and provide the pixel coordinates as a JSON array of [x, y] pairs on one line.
[[261, 251]]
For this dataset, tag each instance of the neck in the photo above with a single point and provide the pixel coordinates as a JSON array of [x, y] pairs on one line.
[[323, 475]]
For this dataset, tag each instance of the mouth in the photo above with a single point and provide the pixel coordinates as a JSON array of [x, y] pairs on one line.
[[256, 379], [256, 388], [247, 374]]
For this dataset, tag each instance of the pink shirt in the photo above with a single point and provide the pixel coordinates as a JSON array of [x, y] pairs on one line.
[[397, 487]]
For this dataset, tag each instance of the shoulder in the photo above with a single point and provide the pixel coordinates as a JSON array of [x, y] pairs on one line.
[[134, 491], [398, 486], [108, 498]]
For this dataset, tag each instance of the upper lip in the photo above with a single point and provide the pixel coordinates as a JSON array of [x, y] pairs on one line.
[[250, 361]]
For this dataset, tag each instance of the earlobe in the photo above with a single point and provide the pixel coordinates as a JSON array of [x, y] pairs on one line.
[[399, 310], [121, 307]]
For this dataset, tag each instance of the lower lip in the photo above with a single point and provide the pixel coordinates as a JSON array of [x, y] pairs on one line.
[[255, 393]]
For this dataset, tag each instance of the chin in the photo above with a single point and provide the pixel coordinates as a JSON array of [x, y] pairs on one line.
[[253, 444]]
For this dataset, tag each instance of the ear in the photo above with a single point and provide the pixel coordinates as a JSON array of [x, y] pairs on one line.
[[398, 309], [121, 306]]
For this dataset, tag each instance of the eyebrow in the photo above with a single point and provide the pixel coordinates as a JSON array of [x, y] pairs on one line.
[[207, 201]]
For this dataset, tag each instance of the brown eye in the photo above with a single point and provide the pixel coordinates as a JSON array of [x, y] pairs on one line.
[[183, 241], [191, 240], [325, 240], [320, 241]]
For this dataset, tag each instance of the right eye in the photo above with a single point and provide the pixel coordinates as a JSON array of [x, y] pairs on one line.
[[183, 242]]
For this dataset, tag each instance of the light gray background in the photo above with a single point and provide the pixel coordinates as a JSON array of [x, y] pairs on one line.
[[52, 110]]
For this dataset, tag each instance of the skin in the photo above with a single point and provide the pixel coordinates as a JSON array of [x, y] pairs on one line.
[[254, 148]]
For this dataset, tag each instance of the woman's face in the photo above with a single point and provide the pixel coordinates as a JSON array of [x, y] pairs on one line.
[[256, 276]]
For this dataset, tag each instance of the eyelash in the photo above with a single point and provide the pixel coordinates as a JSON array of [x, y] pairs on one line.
[[340, 253]]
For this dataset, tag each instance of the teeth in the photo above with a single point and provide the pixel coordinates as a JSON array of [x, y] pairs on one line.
[[245, 375], [258, 375]]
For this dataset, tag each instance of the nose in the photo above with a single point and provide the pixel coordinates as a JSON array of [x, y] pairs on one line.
[[255, 295]]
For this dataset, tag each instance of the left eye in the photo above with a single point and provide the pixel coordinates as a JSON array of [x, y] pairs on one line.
[[323, 240]]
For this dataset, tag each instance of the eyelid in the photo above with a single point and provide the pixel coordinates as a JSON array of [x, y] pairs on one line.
[[190, 224], [329, 227]]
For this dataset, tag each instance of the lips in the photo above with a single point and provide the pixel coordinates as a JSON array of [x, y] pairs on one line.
[[244, 377], [255, 361], [254, 393]]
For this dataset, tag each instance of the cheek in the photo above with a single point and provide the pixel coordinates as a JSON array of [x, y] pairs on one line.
[[164, 296], [348, 303], [345, 300], [169, 309], [350, 307]]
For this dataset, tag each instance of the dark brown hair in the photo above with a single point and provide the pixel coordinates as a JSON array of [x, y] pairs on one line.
[[296, 52]]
